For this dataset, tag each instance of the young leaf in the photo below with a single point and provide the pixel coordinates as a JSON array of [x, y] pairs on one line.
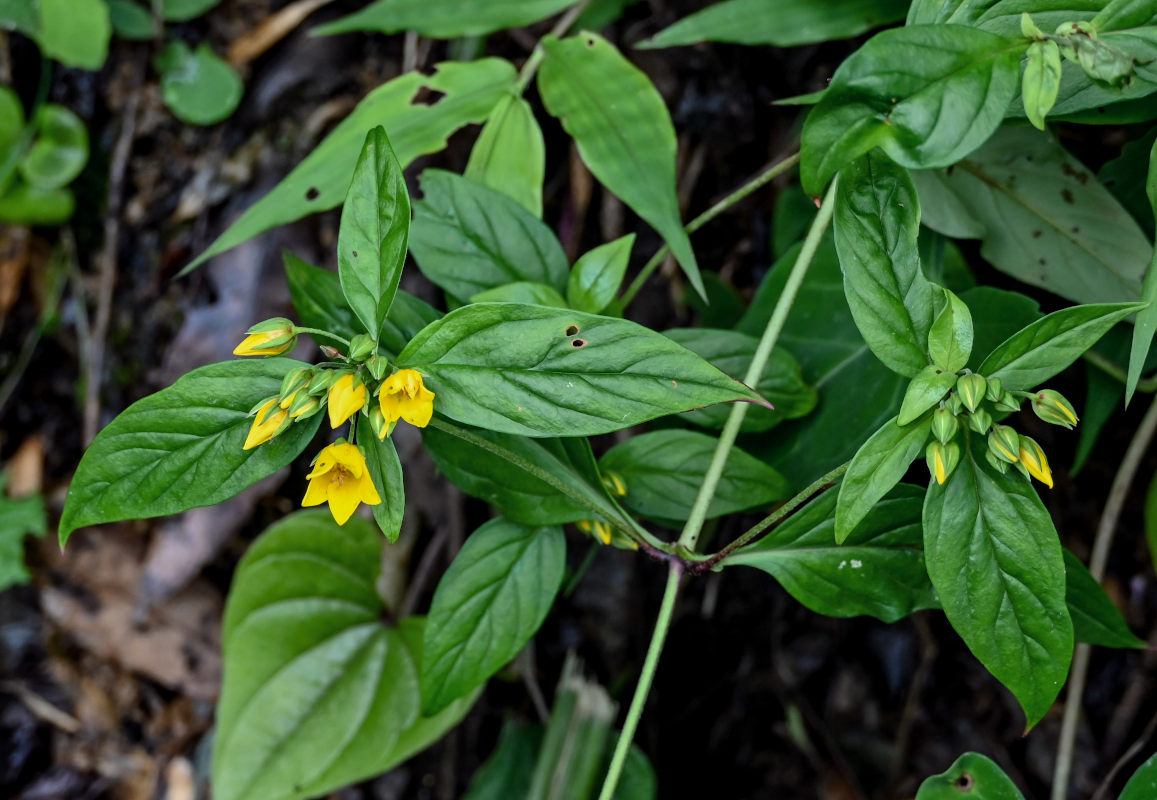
[[1146, 323], [317, 692], [925, 391], [878, 571], [993, 555], [927, 95], [663, 470], [509, 155], [375, 223], [536, 294], [540, 371], [319, 183], [980, 774], [1096, 619], [490, 601], [1043, 349], [59, 151], [596, 276], [75, 32], [950, 339], [386, 470], [181, 447], [444, 19], [468, 238], [876, 223], [876, 468], [1041, 81], [131, 21], [624, 134], [1143, 784], [198, 86]]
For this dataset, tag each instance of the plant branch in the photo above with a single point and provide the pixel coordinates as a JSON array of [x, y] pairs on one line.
[[527, 73], [319, 332], [1115, 370]]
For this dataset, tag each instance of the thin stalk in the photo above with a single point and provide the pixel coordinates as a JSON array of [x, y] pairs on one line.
[[762, 179], [690, 535], [1115, 370], [320, 332], [526, 74]]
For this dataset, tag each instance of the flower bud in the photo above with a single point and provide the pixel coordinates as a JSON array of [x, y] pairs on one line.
[[382, 428], [1004, 444], [614, 484], [378, 366], [954, 405], [1008, 402], [980, 421], [971, 389], [295, 380], [995, 390], [596, 528], [1035, 462], [362, 347], [944, 425], [1053, 407], [303, 406], [347, 395], [942, 459], [269, 338], [332, 353], [995, 462], [322, 380]]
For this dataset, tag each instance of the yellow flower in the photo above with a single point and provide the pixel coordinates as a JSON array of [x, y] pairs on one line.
[[265, 425], [346, 398], [1035, 462], [341, 478], [404, 396], [269, 338]]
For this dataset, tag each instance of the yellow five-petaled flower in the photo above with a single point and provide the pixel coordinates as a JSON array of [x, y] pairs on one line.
[[404, 396], [341, 478]]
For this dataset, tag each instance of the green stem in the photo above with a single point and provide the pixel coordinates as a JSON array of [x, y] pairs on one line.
[[646, 677], [1115, 370], [320, 332], [763, 178], [526, 74]]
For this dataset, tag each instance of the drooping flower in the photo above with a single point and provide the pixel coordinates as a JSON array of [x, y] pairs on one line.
[[269, 338], [346, 398], [341, 478], [1033, 458], [266, 424], [404, 396]]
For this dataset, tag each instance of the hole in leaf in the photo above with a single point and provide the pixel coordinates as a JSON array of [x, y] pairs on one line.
[[312, 193], [965, 782], [571, 330], [577, 343], [425, 96]]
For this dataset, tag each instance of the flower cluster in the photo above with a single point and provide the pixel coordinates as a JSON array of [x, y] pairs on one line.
[[346, 386]]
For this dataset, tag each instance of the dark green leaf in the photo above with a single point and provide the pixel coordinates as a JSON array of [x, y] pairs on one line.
[[597, 275], [59, 150], [538, 294], [1096, 620], [386, 470], [184, 10], [444, 19], [624, 135], [879, 570], [198, 86], [1143, 784], [984, 779], [181, 447], [1146, 322], [75, 32], [508, 771], [925, 391], [876, 468], [950, 338], [490, 601], [509, 155], [540, 371], [131, 21], [995, 560]]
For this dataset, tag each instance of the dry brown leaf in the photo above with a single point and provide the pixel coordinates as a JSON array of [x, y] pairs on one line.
[[272, 30], [26, 468], [14, 252]]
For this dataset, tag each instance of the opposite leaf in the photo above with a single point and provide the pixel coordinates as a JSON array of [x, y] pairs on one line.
[[924, 392], [950, 339], [181, 447], [1143, 784], [972, 775], [386, 470], [540, 371], [596, 276], [490, 601], [509, 155], [877, 467]]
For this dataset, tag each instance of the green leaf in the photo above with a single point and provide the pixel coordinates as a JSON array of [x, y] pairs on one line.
[[317, 692], [20, 15], [19, 517], [510, 155], [1041, 216], [319, 183], [386, 470], [1041, 81], [131, 21], [59, 150], [1043, 349], [1096, 619], [876, 468], [468, 238], [984, 779], [925, 391], [1146, 322], [782, 383], [540, 371], [782, 23], [878, 571], [538, 294], [26, 205], [181, 447], [927, 95], [663, 471], [198, 86], [490, 602], [444, 19], [995, 560], [75, 32], [876, 222], [1143, 784], [184, 10], [11, 119], [375, 223], [508, 771], [950, 338], [597, 275], [996, 315], [623, 132]]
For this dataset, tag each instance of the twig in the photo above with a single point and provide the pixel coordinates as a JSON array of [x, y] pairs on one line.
[[1126, 757], [423, 572]]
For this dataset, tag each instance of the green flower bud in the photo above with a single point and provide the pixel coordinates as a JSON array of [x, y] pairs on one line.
[[378, 366], [995, 390], [614, 484], [362, 347], [980, 421], [303, 406], [1033, 458], [1004, 444], [944, 425], [294, 381], [995, 462], [942, 459], [382, 428], [1053, 407], [322, 380], [971, 389], [954, 405], [1008, 402]]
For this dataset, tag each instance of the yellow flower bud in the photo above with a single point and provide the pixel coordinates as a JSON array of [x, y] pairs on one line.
[[614, 484], [346, 398], [596, 528], [942, 459], [1053, 407], [269, 338], [1033, 458], [266, 424]]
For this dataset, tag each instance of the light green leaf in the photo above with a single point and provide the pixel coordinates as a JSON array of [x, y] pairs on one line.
[[927, 95], [319, 183], [878, 571], [59, 150], [75, 32], [22, 204], [876, 223], [131, 21], [1146, 322], [877, 467], [198, 86], [984, 779], [1041, 216], [540, 371], [183, 10], [782, 23], [925, 391], [490, 601], [444, 19], [386, 470], [1096, 619], [663, 471], [623, 132], [1041, 81], [20, 15], [375, 223], [597, 275], [510, 155], [11, 119], [1143, 784], [950, 338], [538, 294], [468, 238], [181, 447], [19, 517], [1047, 346], [993, 555]]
